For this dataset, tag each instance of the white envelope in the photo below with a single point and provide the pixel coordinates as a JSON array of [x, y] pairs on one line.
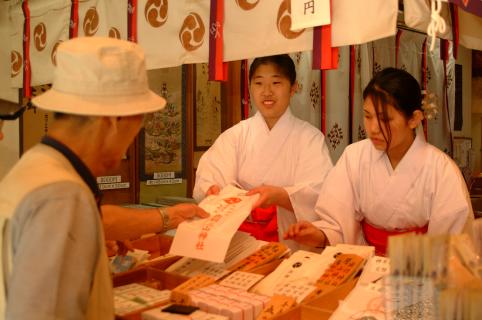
[[209, 239]]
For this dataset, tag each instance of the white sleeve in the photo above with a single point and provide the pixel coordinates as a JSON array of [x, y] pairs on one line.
[[337, 205], [314, 163], [218, 165], [451, 207]]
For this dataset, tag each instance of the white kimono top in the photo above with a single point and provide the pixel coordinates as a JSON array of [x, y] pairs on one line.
[[426, 187], [292, 155]]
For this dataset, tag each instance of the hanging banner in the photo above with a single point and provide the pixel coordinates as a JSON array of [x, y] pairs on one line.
[[470, 30], [360, 21], [472, 6], [92, 19], [383, 54], [409, 53], [417, 16], [361, 78], [49, 26], [309, 13], [438, 131], [254, 28], [116, 18], [173, 33]]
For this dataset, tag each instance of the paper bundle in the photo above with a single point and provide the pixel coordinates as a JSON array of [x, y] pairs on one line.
[[210, 238]]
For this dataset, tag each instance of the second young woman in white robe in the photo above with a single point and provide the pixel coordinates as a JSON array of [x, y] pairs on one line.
[[391, 183], [426, 188]]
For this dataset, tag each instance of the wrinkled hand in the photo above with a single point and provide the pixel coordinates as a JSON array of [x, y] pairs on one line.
[[119, 248], [184, 211], [306, 233], [268, 196], [214, 189]]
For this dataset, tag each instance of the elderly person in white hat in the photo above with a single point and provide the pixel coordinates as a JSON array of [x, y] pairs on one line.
[[54, 256]]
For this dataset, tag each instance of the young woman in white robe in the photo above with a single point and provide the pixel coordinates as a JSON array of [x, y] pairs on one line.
[[273, 153], [390, 183]]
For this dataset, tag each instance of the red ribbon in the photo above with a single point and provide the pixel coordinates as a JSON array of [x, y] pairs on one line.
[[454, 15], [352, 91], [325, 57], [74, 20], [132, 20], [379, 237], [323, 101], [444, 55], [218, 70], [27, 72], [245, 88], [397, 45], [263, 224]]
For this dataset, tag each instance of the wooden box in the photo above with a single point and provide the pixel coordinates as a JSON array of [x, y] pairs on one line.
[[321, 308], [164, 280]]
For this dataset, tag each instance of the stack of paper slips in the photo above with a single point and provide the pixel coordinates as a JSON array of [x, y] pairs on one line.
[[242, 245], [233, 303], [157, 314], [134, 297]]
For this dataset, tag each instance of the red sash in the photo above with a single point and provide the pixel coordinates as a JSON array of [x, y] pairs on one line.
[[379, 237], [262, 224]]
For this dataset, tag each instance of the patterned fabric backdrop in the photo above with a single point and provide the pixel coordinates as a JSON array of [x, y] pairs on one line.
[[438, 130], [337, 105], [306, 103]]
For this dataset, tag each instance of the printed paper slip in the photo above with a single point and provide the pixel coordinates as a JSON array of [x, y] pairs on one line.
[[209, 239]]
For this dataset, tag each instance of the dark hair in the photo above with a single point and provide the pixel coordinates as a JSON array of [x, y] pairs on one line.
[[282, 61], [398, 88]]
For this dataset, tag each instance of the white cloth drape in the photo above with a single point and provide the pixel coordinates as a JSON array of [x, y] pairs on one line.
[[306, 102], [417, 15], [337, 105], [175, 36], [360, 21], [470, 30], [49, 23], [261, 29]]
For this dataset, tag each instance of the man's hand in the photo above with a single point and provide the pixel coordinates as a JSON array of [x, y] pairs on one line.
[[184, 211], [306, 233], [118, 247]]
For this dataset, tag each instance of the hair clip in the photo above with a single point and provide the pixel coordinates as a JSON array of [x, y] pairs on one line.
[[429, 105]]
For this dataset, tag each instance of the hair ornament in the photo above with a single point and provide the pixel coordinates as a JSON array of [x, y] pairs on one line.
[[429, 105]]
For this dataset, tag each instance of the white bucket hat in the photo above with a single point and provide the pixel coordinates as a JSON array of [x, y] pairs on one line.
[[100, 77]]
